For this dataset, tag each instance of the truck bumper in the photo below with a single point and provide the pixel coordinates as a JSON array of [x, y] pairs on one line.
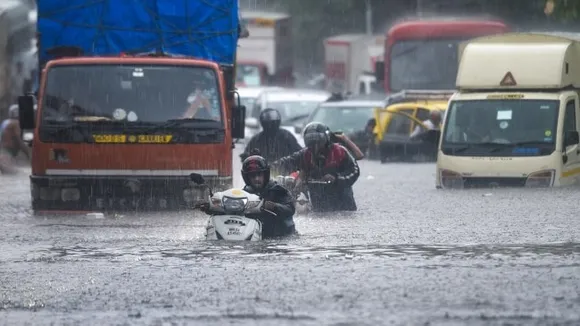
[[117, 193]]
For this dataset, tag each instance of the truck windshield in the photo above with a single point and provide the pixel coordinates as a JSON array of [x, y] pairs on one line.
[[130, 94], [501, 127], [424, 64]]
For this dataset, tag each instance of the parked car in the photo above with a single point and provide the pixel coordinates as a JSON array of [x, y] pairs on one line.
[[349, 116], [294, 105]]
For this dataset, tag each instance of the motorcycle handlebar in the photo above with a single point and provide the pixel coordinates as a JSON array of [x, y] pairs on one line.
[[318, 182]]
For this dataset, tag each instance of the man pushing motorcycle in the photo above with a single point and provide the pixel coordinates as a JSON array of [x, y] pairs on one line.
[[256, 175], [324, 160]]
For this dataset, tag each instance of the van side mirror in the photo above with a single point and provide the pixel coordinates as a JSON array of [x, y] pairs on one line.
[[26, 111], [380, 71], [571, 138], [238, 122]]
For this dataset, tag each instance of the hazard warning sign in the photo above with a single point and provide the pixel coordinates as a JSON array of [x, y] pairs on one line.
[[508, 80]]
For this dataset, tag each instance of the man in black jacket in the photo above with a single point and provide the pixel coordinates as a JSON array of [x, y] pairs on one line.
[[272, 142], [324, 160], [278, 200]]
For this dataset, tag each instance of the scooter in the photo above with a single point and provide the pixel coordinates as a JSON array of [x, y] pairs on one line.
[[229, 212]]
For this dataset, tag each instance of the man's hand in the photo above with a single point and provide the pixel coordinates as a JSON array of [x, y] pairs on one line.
[[271, 206], [329, 178]]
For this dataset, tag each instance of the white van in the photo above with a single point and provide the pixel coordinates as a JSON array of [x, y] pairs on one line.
[[514, 120]]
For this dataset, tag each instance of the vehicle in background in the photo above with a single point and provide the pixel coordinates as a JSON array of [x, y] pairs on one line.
[[514, 121], [403, 112], [349, 117], [113, 128], [350, 62], [294, 105], [16, 35], [265, 58], [248, 96], [423, 54]]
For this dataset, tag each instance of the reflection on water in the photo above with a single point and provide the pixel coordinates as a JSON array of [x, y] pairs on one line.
[[267, 250]]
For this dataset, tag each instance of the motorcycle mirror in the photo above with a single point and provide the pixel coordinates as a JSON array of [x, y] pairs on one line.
[[197, 178]]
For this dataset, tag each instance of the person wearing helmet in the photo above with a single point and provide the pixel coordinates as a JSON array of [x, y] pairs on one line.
[[11, 142], [432, 123], [272, 142], [256, 175], [325, 160]]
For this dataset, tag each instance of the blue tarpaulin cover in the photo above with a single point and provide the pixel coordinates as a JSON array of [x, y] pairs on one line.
[[204, 29]]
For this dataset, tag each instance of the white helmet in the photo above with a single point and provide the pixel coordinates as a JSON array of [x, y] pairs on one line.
[[13, 111]]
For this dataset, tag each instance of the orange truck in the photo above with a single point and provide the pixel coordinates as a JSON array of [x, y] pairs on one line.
[[423, 54], [129, 105]]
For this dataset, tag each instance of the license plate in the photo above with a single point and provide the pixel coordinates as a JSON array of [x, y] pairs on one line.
[[110, 138]]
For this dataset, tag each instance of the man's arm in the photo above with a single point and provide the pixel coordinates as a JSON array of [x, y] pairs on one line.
[[292, 162], [352, 147], [349, 170], [293, 143], [284, 204]]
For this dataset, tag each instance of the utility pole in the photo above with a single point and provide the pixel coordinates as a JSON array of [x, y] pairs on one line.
[[369, 18]]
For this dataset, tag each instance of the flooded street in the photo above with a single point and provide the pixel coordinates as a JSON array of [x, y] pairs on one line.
[[411, 255]]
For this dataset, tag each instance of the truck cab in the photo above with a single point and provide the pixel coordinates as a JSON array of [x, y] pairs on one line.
[[116, 129], [514, 121]]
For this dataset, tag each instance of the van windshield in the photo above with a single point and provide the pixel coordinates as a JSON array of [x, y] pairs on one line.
[[130, 94], [501, 127]]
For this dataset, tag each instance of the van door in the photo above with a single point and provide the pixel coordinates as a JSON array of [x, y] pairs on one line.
[[571, 153]]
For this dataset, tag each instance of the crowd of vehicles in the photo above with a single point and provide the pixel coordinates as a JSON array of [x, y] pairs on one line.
[[128, 142]]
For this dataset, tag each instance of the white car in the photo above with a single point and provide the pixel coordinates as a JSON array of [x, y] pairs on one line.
[[248, 96], [348, 116], [294, 105]]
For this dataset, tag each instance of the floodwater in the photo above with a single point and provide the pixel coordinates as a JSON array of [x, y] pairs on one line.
[[411, 255]]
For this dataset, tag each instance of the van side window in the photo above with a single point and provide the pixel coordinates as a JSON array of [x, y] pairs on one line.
[[257, 108], [570, 116], [362, 88]]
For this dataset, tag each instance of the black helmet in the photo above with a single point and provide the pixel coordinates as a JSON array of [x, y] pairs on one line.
[[316, 133], [255, 164], [270, 119]]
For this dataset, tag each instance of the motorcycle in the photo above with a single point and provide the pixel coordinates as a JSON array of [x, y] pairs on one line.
[[228, 213], [302, 197]]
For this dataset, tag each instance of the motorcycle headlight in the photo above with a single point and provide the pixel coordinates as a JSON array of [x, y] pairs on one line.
[[234, 204]]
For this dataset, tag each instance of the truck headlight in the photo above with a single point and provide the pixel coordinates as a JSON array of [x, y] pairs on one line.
[[544, 178], [234, 205], [450, 179]]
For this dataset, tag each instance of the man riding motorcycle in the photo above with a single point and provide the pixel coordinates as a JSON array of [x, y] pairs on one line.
[[11, 142], [272, 142], [256, 175], [325, 160]]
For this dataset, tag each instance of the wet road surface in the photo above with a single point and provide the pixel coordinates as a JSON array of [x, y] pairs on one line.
[[411, 255]]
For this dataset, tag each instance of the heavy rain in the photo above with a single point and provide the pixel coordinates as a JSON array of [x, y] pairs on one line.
[[105, 220]]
